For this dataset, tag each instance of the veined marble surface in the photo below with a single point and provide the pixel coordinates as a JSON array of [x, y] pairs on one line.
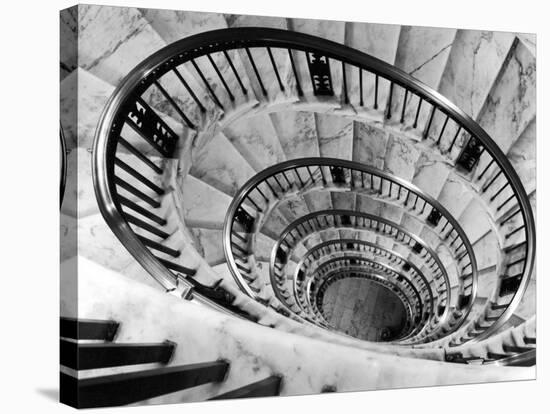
[[297, 133], [113, 40], [335, 134], [473, 65], [261, 58], [369, 144], [523, 156], [257, 141], [422, 53], [326, 29], [203, 205], [511, 104], [430, 175], [220, 164], [343, 200], [173, 25], [401, 158], [293, 207], [255, 352], [68, 51], [209, 245]]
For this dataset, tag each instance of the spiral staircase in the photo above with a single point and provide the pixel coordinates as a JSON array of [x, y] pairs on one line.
[[366, 189]]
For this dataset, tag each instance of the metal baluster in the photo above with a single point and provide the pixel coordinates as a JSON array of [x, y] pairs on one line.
[[344, 83], [485, 169], [254, 203], [455, 138], [271, 187], [139, 155], [298, 86], [188, 88], [138, 176], [299, 177], [133, 190], [376, 92], [509, 217], [174, 105], [390, 98], [514, 232], [279, 183], [427, 130], [138, 209], [281, 86], [360, 86], [420, 100], [258, 78], [499, 191], [404, 106], [505, 201], [262, 193], [486, 187], [442, 130], [235, 72], [205, 81], [286, 178], [222, 79]]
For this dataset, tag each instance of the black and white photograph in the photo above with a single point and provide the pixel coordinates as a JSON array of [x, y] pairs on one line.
[[260, 206], [274, 207]]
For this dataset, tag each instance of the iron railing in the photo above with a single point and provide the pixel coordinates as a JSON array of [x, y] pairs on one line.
[[130, 107]]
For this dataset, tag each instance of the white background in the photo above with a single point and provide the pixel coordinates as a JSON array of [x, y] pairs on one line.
[[29, 219]]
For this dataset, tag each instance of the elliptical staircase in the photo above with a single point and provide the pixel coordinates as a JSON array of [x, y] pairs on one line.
[[252, 170]]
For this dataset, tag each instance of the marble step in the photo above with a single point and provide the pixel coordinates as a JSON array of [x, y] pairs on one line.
[[97, 242], [256, 139], [83, 97], [218, 163], [369, 144], [262, 60], [326, 29], [297, 132], [380, 41], [263, 282], [209, 244], [431, 174], [474, 62], [510, 337], [522, 155], [422, 53], [174, 25], [401, 158], [89, 93], [455, 196], [335, 135], [274, 225], [530, 41], [475, 220], [344, 200], [293, 207], [113, 40], [511, 103], [187, 324], [68, 26], [203, 205]]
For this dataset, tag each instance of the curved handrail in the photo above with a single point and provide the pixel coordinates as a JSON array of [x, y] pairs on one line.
[[338, 274], [325, 267], [322, 245], [372, 218], [159, 63], [63, 165], [412, 195]]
